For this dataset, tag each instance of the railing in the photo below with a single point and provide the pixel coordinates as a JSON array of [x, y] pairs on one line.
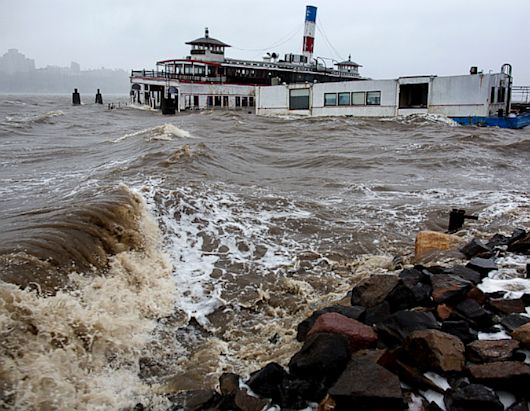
[[174, 76], [521, 94]]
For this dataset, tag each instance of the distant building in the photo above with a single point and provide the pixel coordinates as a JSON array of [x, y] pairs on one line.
[[75, 67], [14, 62]]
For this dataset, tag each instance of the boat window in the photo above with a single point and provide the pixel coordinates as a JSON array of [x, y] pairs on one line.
[[413, 95], [225, 101], [330, 99], [358, 98], [373, 98], [238, 101], [299, 99], [501, 93], [492, 97], [344, 99], [244, 102]]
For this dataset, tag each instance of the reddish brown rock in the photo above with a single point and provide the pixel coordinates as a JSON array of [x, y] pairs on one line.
[[359, 335], [443, 311], [512, 376], [491, 350], [433, 349], [504, 306], [476, 294], [431, 242], [246, 402], [373, 290], [522, 334], [447, 287]]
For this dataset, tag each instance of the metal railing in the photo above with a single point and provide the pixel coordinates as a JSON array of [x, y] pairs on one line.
[[521, 94], [163, 75]]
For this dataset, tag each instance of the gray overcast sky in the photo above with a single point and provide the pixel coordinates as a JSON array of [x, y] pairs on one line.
[[389, 38]]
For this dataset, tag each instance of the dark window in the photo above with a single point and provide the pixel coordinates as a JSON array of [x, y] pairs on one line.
[[330, 99], [251, 101], [344, 99], [358, 98], [195, 101], [373, 98], [217, 101], [299, 99], [501, 93], [492, 96], [413, 95], [209, 101], [225, 101], [238, 101], [244, 102]]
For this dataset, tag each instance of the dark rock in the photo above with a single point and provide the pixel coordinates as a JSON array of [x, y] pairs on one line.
[[491, 350], [433, 407], [355, 313], [518, 406], [498, 240], [482, 265], [201, 399], [406, 295], [359, 335], [295, 393], [400, 324], [472, 397], [496, 294], [522, 334], [465, 273], [373, 290], [267, 381], [246, 402], [461, 330], [413, 276], [377, 313], [473, 312], [322, 358], [229, 384], [520, 246], [365, 385], [448, 287], [504, 306], [474, 248], [434, 349], [512, 376], [513, 321]]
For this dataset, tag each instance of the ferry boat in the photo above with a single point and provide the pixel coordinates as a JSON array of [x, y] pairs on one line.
[[206, 79]]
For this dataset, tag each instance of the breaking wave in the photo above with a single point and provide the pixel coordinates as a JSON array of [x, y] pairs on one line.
[[163, 132], [21, 122], [423, 119]]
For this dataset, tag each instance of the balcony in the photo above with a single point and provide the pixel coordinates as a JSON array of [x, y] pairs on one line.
[[162, 75]]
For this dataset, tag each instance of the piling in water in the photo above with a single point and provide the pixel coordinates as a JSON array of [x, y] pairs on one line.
[[99, 98], [76, 98]]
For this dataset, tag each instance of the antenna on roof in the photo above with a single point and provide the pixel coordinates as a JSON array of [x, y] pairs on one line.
[[206, 32]]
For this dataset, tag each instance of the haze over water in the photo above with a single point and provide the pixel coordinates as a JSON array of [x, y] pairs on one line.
[[143, 254]]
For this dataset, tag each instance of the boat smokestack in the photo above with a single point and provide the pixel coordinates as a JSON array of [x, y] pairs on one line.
[[309, 32]]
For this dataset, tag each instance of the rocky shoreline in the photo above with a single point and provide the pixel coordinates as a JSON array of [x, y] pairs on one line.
[[424, 338]]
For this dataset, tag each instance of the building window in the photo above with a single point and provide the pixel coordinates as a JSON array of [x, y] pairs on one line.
[[225, 101], [217, 101], [238, 101], [251, 101], [373, 98], [244, 102], [299, 99], [501, 93], [209, 101], [492, 96], [330, 99], [414, 95], [358, 98], [196, 101], [344, 99]]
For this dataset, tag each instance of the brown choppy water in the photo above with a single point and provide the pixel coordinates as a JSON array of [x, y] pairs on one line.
[[142, 254]]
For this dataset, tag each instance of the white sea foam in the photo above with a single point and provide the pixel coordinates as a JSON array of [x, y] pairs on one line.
[[423, 119], [163, 132], [514, 287]]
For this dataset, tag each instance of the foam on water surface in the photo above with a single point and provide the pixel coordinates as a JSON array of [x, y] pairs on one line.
[[163, 132]]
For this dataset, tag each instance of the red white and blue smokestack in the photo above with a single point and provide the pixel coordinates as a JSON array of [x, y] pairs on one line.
[[309, 32]]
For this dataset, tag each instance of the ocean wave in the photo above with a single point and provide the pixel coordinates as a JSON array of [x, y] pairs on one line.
[[80, 348], [423, 119], [25, 121], [164, 132]]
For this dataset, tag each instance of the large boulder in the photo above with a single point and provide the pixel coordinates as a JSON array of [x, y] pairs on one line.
[[400, 324], [514, 321], [435, 350], [505, 306], [473, 312], [321, 359], [465, 273], [246, 402], [512, 376], [472, 397], [268, 381], [521, 246], [448, 288], [460, 329], [432, 242], [359, 335], [373, 290], [491, 350], [482, 265], [365, 385], [355, 312], [475, 247], [522, 334], [377, 313]]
